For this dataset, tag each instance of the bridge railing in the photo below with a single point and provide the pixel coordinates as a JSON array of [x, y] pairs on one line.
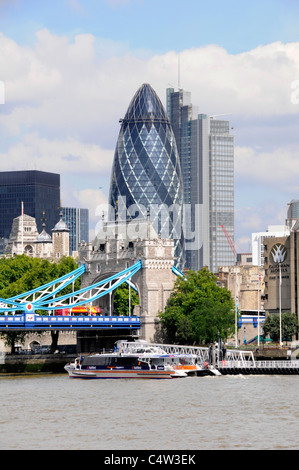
[[46, 322]]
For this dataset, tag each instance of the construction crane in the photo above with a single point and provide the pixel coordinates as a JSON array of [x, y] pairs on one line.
[[232, 246], [230, 242]]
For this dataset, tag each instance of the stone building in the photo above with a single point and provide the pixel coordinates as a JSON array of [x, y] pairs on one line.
[[25, 239], [246, 284], [22, 236], [154, 281]]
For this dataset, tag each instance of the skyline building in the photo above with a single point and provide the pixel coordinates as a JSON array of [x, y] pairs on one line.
[[77, 220], [206, 150], [39, 192], [257, 241], [146, 174]]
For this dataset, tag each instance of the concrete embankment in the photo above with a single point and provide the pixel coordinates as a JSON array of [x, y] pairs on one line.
[[44, 363]]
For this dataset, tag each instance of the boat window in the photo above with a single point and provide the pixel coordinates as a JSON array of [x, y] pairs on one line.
[[111, 361]]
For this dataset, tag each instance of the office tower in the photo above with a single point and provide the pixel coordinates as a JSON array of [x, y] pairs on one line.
[[40, 193], [206, 151], [292, 213], [77, 220], [146, 172]]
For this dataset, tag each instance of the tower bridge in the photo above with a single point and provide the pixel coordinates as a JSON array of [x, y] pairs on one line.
[[154, 282], [147, 265]]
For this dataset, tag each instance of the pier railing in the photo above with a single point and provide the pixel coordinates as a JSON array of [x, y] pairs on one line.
[[278, 364], [270, 365]]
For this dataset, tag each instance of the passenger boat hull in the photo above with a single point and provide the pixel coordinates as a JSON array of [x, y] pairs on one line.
[[123, 374]]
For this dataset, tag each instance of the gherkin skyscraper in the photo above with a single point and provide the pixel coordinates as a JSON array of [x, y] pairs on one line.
[[146, 175]]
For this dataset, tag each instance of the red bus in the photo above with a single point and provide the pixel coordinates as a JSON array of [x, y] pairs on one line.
[[81, 310]]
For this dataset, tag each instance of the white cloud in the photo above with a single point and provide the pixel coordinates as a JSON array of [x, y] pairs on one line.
[[56, 156], [77, 83], [63, 101], [277, 168]]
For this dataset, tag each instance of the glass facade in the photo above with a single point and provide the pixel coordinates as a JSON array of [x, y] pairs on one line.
[[206, 151], [38, 190], [146, 174], [221, 193], [77, 220]]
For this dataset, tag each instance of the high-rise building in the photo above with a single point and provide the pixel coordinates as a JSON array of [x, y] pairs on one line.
[[77, 220], [39, 192], [292, 213], [206, 150], [146, 174]]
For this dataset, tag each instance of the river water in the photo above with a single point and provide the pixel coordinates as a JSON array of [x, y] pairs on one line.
[[199, 413]]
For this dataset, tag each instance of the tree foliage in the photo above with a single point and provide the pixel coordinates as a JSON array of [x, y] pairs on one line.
[[289, 326], [121, 300], [21, 274], [198, 311]]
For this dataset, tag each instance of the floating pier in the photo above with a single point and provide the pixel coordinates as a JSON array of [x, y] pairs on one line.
[[286, 367], [214, 362]]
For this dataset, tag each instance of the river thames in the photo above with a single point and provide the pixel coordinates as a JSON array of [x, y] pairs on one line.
[[194, 413]]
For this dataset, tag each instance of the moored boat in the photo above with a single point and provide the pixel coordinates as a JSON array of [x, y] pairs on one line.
[[121, 366]]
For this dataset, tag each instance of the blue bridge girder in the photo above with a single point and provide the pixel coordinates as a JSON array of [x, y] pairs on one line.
[[31, 321], [18, 312], [46, 291], [45, 297]]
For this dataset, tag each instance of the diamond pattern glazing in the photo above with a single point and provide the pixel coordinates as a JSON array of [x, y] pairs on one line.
[[146, 169]]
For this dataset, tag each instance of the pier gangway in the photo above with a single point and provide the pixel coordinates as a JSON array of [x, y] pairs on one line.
[[205, 356]]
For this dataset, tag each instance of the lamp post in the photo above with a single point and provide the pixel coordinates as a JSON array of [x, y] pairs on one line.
[[280, 283], [236, 310], [258, 308]]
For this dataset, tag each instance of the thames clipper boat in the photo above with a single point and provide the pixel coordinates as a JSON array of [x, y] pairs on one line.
[[147, 363], [184, 362]]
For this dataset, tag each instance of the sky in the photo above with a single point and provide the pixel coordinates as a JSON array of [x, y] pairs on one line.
[[69, 68]]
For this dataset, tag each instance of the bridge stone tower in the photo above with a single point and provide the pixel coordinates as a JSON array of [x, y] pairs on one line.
[[154, 281]]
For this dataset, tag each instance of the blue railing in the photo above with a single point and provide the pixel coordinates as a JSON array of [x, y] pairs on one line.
[[32, 321]]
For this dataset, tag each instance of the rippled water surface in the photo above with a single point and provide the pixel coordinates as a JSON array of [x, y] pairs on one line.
[[230, 412]]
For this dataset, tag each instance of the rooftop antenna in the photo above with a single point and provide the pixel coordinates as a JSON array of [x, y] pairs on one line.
[[22, 227], [179, 72], [218, 115]]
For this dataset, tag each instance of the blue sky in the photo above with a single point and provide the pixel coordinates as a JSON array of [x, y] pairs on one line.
[[71, 67], [155, 25]]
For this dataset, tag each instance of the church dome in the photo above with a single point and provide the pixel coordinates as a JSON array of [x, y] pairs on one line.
[[60, 226], [44, 237]]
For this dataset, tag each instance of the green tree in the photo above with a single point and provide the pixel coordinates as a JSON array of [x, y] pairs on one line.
[[21, 274], [289, 326], [121, 300], [198, 311]]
